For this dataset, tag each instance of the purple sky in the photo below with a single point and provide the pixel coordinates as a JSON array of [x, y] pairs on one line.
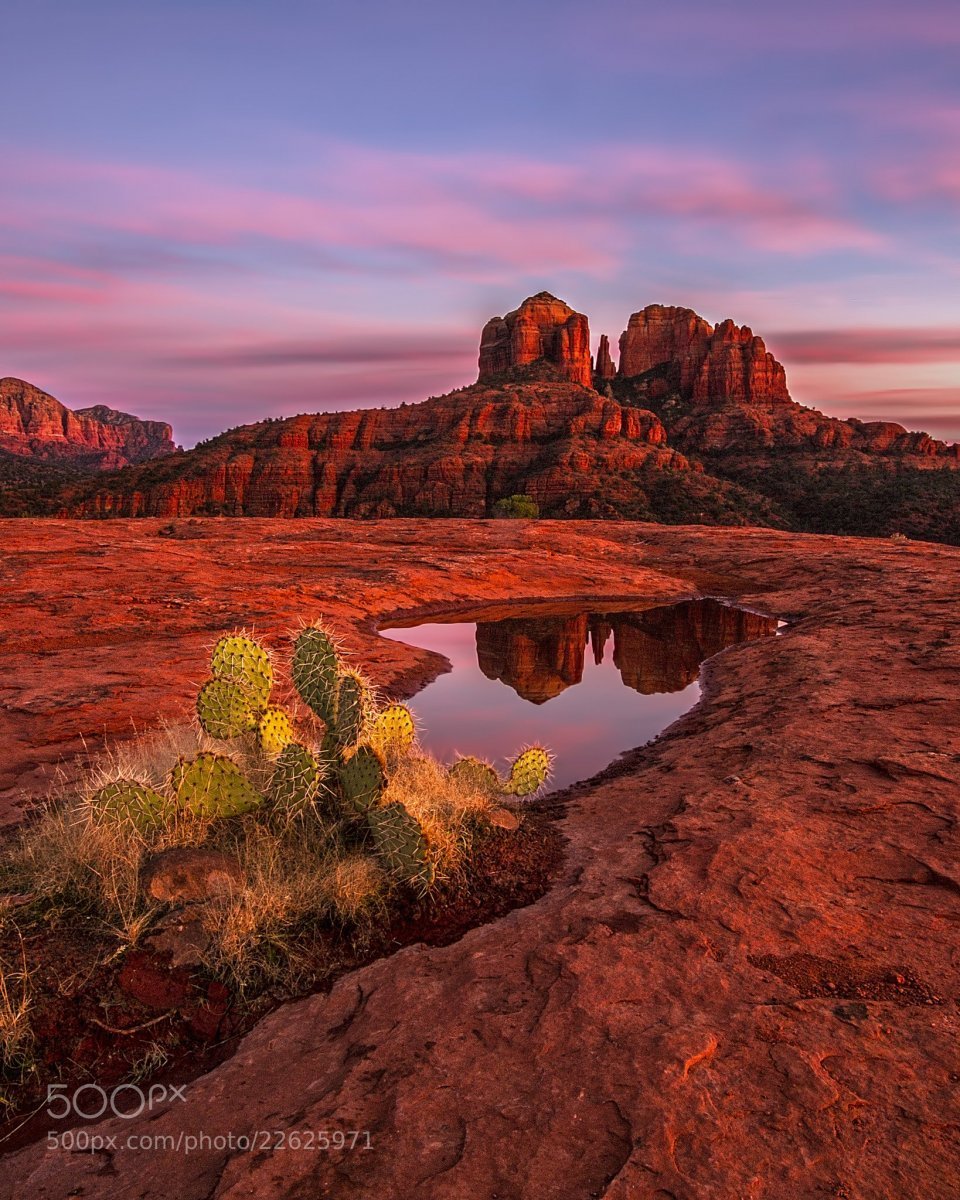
[[218, 210]]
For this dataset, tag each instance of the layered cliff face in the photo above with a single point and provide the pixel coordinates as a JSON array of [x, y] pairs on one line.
[[722, 395], [543, 329], [34, 424], [456, 455]]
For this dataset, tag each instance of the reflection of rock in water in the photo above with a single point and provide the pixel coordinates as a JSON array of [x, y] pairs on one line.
[[539, 658], [659, 650]]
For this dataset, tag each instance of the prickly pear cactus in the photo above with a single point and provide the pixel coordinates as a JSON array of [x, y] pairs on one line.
[[316, 672], [127, 801], [475, 773], [400, 843], [529, 772], [244, 661], [362, 779], [393, 731], [274, 731], [351, 703], [225, 709], [297, 779], [212, 785]]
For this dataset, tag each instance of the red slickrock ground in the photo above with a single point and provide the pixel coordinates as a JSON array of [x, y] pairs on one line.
[[745, 981]]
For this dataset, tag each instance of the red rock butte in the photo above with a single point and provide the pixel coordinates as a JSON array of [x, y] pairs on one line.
[[542, 328]]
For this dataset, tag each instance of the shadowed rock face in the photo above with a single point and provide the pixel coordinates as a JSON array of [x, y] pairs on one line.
[[659, 650], [35, 425], [542, 328]]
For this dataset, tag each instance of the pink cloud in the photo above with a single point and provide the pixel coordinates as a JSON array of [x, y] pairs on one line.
[[469, 214], [889, 345]]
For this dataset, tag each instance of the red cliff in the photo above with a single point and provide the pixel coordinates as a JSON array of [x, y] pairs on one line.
[[35, 425], [571, 449], [721, 393], [544, 329]]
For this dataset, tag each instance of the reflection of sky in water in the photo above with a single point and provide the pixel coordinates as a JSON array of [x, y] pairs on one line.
[[586, 726]]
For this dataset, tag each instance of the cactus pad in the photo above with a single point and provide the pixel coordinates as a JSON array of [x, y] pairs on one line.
[[351, 704], [225, 709], [400, 843], [127, 801], [529, 772], [475, 773], [393, 730], [212, 785], [245, 662], [362, 779], [297, 778], [316, 668], [274, 731]]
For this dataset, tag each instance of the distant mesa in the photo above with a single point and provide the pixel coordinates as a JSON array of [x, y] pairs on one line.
[[695, 423], [542, 330], [34, 424]]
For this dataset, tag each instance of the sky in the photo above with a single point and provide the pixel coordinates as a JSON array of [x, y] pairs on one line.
[[214, 211]]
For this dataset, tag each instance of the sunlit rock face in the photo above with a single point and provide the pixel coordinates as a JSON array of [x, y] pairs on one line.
[[36, 425], [453, 455], [658, 650], [726, 363], [543, 329], [722, 394]]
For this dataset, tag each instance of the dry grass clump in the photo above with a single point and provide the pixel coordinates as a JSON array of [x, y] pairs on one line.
[[449, 810], [297, 871], [16, 1037]]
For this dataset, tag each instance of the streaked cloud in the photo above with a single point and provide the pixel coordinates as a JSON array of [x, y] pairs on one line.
[[880, 345]]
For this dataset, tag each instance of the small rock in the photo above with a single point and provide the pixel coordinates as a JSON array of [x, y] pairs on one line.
[[190, 873], [184, 939]]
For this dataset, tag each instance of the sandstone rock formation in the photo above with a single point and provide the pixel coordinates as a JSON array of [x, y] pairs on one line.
[[544, 329], [35, 425], [453, 455], [721, 393], [604, 369], [659, 336], [695, 425]]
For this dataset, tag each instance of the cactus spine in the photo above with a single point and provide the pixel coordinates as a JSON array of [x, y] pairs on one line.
[[127, 801], [399, 841], [212, 785], [297, 779]]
